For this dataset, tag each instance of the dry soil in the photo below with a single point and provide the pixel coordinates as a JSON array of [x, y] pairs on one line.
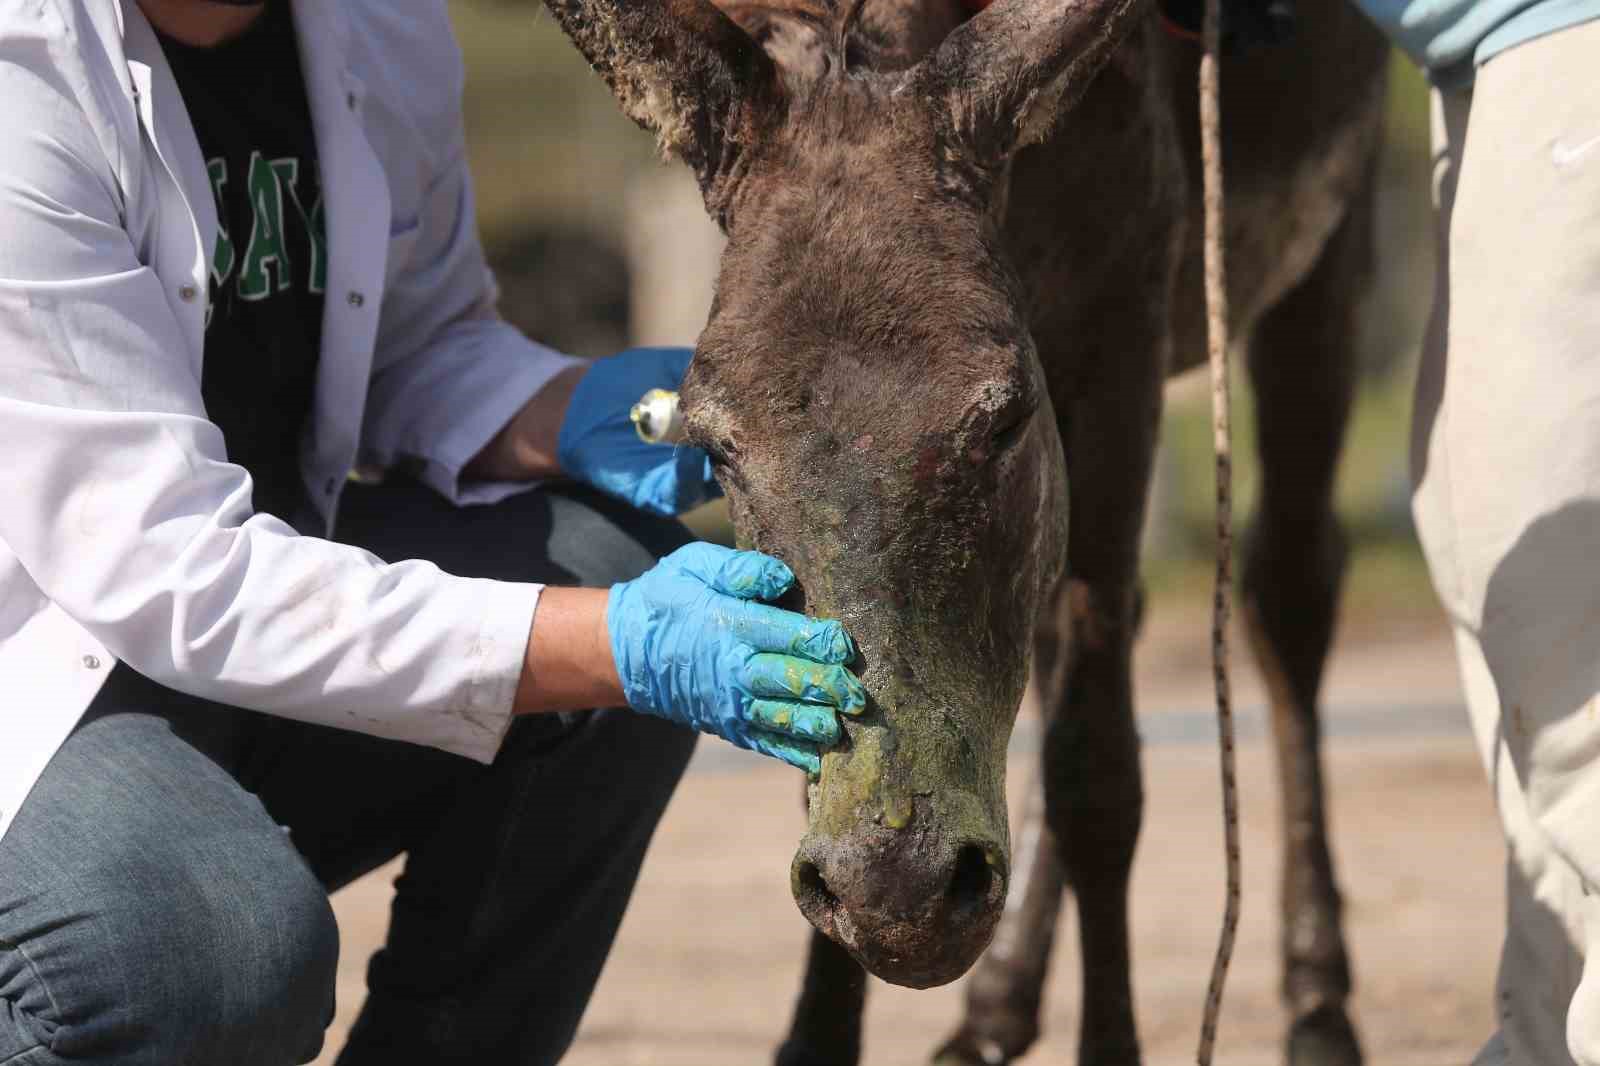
[[709, 956]]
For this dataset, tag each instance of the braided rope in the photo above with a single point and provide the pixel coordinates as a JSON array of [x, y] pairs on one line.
[[1221, 437]]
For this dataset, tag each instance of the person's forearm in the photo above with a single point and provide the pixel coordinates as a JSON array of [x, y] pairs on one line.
[[569, 666], [526, 448]]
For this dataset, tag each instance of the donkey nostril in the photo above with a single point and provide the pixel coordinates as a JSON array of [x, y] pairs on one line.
[[973, 877], [813, 889]]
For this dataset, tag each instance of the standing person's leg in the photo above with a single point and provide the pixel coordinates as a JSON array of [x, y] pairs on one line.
[[151, 912], [1507, 462], [517, 874], [1540, 963]]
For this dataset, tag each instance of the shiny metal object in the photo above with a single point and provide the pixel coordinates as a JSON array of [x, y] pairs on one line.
[[656, 417]]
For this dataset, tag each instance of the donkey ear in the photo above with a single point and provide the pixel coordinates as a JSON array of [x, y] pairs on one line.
[[1000, 80], [683, 70]]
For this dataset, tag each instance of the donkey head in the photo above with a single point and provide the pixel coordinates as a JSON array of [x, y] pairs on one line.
[[869, 391]]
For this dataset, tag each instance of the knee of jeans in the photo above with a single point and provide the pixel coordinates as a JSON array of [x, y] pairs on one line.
[[623, 562], [221, 961], [667, 748], [600, 542]]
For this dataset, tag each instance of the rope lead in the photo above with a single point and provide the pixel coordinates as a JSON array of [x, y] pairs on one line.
[[1221, 438]]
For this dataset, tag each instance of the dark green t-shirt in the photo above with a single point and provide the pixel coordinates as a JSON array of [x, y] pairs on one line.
[[247, 101]]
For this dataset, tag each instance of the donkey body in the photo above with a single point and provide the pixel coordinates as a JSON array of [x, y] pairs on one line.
[[963, 251]]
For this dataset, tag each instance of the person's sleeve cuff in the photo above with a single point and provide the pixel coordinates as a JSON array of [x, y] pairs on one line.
[[497, 653]]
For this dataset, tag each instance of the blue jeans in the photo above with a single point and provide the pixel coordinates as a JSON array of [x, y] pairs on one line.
[[163, 891]]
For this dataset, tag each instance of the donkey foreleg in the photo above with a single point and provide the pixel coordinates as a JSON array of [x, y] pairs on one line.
[[1095, 804], [1303, 369], [826, 1030]]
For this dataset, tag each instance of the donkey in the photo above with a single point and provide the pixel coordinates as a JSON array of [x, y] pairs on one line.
[[962, 258]]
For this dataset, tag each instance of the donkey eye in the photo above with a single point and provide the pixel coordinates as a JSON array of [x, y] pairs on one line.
[[1010, 429]]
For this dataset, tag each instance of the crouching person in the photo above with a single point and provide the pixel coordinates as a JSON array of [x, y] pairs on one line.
[[238, 260]]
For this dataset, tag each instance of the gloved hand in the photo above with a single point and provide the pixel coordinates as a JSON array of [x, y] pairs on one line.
[[598, 443], [692, 645]]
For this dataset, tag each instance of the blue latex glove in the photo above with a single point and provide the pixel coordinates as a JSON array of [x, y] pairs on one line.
[[598, 443], [692, 645]]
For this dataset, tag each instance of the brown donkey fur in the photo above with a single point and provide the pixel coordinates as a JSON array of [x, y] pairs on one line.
[[963, 257]]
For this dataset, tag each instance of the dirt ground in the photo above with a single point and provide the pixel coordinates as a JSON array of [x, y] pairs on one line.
[[709, 957]]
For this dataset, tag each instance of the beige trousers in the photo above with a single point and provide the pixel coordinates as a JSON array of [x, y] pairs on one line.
[[1506, 468]]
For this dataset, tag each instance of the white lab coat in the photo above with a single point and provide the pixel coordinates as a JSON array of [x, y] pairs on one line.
[[125, 533]]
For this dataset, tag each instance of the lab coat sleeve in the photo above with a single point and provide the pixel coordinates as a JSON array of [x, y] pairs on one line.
[[117, 496], [449, 372]]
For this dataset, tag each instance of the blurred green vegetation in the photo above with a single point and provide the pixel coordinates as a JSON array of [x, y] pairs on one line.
[[1387, 583], [554, 156]]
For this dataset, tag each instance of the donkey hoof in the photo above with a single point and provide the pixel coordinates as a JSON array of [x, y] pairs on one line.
[[1324, 1037], [967, 1048]]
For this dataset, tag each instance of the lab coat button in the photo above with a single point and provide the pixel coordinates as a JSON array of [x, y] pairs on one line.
[[329, 485], [91, 662], [350, 99], [187, 293], [356, 299]]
